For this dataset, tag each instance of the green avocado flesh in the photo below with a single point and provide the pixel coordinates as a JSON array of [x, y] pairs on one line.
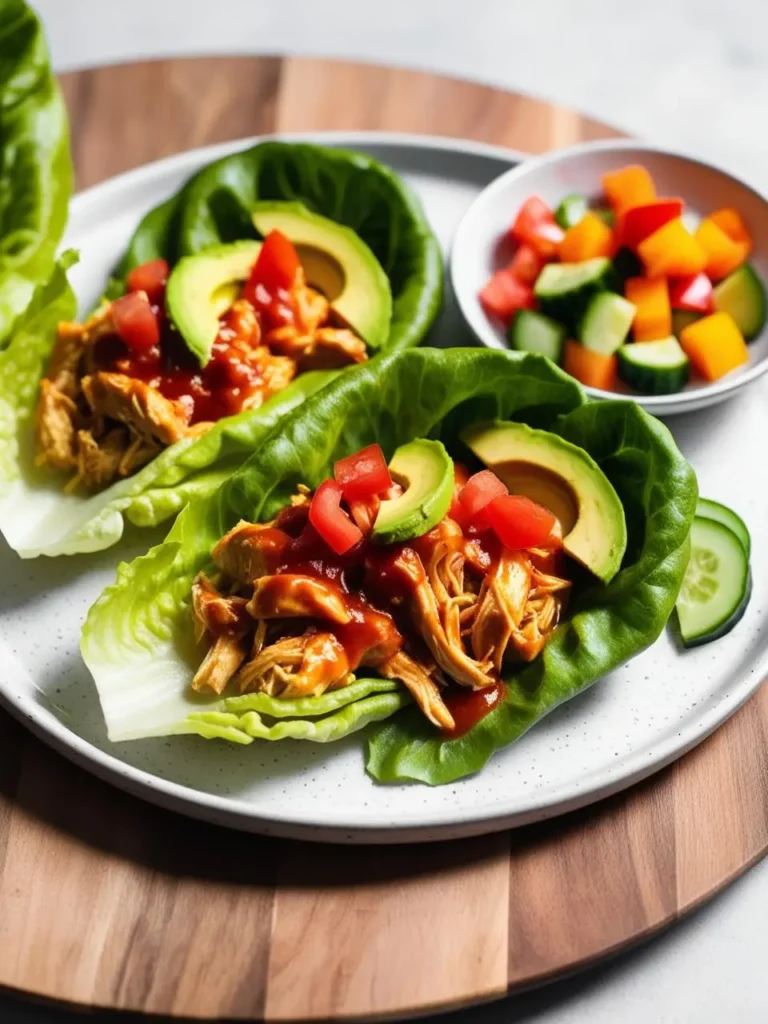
[[564, 479], [338, 263], [202, 287], [424, 469]]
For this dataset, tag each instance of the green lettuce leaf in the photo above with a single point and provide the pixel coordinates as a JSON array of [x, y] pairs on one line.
[[35, 165], [350, 188], [138, 639]]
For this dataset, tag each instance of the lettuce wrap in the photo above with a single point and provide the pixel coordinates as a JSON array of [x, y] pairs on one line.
[[138, 640], [35, 166], [36, 517]]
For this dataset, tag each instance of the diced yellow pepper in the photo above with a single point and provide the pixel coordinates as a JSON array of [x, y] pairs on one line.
[[730, 221], [723, 254], [653, 313], [628, 187], [714, 345], [587, 240], [672, 251]]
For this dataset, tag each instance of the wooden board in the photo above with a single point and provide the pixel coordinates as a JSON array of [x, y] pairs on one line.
[[107, 901]]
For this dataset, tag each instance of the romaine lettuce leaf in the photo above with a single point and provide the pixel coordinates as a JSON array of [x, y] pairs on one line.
[[351, 188], [138, 640], [35, 165]]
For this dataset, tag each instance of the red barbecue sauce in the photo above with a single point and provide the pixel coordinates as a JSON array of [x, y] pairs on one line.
[[229, 381]]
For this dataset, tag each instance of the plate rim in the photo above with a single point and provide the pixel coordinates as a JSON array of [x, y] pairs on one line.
[[441, 824], [658, 405]]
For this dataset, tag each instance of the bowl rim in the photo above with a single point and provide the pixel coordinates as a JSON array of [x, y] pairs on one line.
[[680, 401]]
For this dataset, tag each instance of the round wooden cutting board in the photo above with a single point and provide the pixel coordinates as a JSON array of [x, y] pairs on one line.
[[107, 901]]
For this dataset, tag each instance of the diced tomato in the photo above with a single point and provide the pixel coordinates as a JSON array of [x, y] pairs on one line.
[[526, 264], [331, 521], [456, 510], [277, 263], [693, 293], [150, 278], [363, 474], [504, 295], [479, 491], [135, 322], [535, 225], [519, 522], [364, 512]]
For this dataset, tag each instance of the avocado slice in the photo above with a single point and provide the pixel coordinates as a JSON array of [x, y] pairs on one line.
[[562, 478], [338, 263], [202, 287], [424, 469]]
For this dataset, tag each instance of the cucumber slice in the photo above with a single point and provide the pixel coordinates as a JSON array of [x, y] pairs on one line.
[[742, 295], [533, 332], [708, 509], [606, 323], [717, 584], [681, 318], [571, 210], [564, 289], [654, 367]]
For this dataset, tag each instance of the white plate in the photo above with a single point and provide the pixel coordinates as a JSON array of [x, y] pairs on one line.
[[621, 730], [475, 254]]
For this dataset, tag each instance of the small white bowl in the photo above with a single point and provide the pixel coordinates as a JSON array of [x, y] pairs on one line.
[[474, 253]]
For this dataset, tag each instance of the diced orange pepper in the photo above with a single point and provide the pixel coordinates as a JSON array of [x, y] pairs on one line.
[[714, 345], [631, 186], [587, 240], [653, 313], [672, 251], [592, 369], [729, 221], [723, 254]]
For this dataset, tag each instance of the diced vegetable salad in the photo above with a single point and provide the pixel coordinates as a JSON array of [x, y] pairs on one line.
[[623, 295]]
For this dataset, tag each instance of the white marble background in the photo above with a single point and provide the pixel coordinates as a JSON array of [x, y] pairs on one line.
[[688, 73]]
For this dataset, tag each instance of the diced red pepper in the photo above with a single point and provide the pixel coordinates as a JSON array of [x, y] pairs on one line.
[[151, 278], [535, 225], [526, 264], [363, 474], [479, 491], [277, 263], [504, 295], [519, 522], [693, 293], [135, 322], [641, 221], [331, 521]]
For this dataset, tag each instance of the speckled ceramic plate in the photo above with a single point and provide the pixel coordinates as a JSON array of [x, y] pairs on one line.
[[630, 724]]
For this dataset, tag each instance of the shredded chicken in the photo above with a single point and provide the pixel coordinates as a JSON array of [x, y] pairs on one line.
[[249, 550], [500, 607], [98, 462], [64, 361], [56, 433], [421, 687], [214, 612], [301, 666], [224, 658], [128, 400], [332, 348], [89, 389], [289, 596]]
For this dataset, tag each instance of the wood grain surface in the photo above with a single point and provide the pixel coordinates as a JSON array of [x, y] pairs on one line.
[[107, 901]]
